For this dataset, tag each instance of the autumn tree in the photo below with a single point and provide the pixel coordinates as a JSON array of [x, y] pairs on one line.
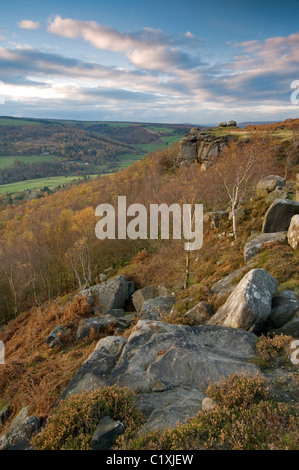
[[242, 164]]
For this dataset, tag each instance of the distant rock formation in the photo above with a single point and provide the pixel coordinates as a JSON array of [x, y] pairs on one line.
[[225, 124], [201, 147]]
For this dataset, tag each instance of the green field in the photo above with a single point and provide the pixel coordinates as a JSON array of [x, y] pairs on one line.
[[167, 141], [7, 161], [17, 122], [52, 182]]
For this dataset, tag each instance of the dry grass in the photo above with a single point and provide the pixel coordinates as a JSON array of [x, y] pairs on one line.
[[34, 374]]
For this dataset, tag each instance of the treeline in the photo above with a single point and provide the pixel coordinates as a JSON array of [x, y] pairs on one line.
[[63, 140], [129, 134], [21, 171]]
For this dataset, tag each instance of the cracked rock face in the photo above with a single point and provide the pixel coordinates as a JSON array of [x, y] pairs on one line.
[[201, 147], [250, 303], [169, 366]]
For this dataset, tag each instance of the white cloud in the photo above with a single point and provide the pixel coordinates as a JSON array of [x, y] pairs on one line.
[[29, 24], [188, 34]]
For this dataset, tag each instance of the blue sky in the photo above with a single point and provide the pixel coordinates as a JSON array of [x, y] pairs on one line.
[[159, 61]]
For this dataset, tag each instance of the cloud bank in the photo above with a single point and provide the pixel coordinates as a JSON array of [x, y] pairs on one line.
[[167, 77]]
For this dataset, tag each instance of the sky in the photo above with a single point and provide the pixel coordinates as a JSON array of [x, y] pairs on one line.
[[170, 61]]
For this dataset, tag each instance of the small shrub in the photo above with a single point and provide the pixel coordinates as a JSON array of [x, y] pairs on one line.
[[73, 423], [273, 351]]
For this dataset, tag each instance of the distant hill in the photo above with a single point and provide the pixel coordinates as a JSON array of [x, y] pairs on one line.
[[254, 123], [287, 124]]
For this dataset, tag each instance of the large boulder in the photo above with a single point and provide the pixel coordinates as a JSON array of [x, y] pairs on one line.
[[156, 309], [253, 247], [279, 215], [249, 305], [22, 428], [293, 232], [284, 307], [170, 366], [269, 184], [141, 295], [109, 294]]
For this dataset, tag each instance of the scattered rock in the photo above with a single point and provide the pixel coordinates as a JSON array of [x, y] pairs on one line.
[[253, 247], [141, 295], [249, 305], [105, 434], [20, 431], [276, 194], [284, 308], [99, 324], [200, 314], [109, 294], [269, 184], [279, 215], [208, 404], [293, 232], [214, 219], [156, 309], [54, 338]]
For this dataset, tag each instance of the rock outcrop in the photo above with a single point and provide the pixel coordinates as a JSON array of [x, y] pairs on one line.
[[201, 147], [170, 366], [279, 215], [249, 305], [22, 428], [293, 232], [269, 184], [254, 246]]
